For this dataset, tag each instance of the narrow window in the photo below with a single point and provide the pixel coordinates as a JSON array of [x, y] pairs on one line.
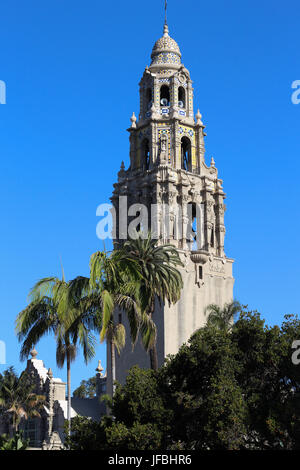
[[164, 96], [192, 226], [146, 154], [186, 160], [149, 98], [200, 272], [181, 97], [212, 239], [120, 318]]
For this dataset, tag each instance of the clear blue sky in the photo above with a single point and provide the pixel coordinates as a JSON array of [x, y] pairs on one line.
[[72, 70]]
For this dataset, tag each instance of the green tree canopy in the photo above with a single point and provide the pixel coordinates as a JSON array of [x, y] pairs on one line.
[[86, 389], [225, 389]]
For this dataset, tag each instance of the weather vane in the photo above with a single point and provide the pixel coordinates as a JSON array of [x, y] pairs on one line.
[[166, 4]]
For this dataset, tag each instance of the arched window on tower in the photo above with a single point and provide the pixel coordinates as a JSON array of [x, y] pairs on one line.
[[165, 96], [181, 97], [192, 227], [148, 98], [186, 154], [146, 154]]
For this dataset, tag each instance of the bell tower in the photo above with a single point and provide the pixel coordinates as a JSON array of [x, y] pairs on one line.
[[168, 170], [166, 133]]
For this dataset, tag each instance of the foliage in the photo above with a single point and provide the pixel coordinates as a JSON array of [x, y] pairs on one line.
[[160, 281], [271, 382], [17, 399], [208, 402], [222, 318], [66, 309], [231, 388], [86, 434], [138, 436], [86, 389], [158, 267], [117, 277], [17, 442], [115, 280], [140, 400]]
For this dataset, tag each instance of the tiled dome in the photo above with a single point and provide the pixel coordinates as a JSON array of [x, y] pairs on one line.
[[166, 50]]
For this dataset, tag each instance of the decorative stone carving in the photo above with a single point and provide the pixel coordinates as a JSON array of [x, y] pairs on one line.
[[133, 121], [199, 256], [216, 266]]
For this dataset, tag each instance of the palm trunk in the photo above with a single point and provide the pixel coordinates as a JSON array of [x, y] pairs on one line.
[[113, 366], [153, 350], [69, 392], [153, 358]]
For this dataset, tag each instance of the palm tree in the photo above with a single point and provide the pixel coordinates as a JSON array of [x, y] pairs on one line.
[[160, 279], [17, 398], [222, 318], [115, 280], [56, 306]]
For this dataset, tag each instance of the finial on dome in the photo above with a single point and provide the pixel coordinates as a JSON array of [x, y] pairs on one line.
[[99, 368], [33, 353], [212, 162], [133, 120]]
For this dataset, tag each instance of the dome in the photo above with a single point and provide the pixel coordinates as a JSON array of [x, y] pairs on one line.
[[166, 50]]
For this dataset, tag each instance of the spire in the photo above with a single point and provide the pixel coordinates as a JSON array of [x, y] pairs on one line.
[[166, 28]]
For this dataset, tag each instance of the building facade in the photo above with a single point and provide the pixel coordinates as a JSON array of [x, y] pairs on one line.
[[184, 198]]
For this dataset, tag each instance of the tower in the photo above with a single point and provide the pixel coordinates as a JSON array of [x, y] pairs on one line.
[[168, 172]]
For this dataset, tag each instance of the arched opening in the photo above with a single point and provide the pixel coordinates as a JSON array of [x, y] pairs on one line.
[[186, 154], [181, 97], [146, 154], [165, 96], [192, 226], [148, 98]]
